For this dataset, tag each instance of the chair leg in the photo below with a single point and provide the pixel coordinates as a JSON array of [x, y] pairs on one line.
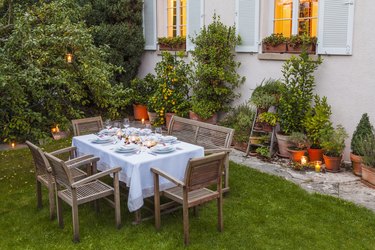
[[39, 194], [156, 202], [116, 186], [186, 223], [51, 197], [220, 213], [60, 218], [75, 216], [226, 172]]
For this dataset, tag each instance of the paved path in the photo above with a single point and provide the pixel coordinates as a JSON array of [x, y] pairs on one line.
[[344, 185]]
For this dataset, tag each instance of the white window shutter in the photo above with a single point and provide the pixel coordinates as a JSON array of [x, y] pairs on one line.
[[195, 17], [149, 24], [247, 25], [335, 35]]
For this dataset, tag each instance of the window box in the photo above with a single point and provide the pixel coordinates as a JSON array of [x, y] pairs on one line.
[[280, 48], [177, 43], [298, 49], [180, 47]]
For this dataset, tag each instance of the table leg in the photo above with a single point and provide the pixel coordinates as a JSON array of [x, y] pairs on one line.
[[138, 217]]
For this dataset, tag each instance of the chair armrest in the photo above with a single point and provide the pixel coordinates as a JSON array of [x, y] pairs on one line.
[[64, 150], [95, 176], [217, 150], [77, 159], [167, 176], [84, 162]]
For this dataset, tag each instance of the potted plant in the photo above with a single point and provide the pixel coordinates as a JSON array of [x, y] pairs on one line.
[[240, 119], [316, 121], [333, 144], [363, 130], [269, 120], [296, 97], [215, 69], [172, 81], [275, 43], [367, 145], [299, 43], [263, 152], [177, 43], [142, 90], [299, 143]]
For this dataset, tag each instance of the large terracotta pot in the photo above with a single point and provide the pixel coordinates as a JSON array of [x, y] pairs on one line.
[[194, 116], [296, 155], [315, 154], [140, 112], [368, 176], [356, 164], [283, 142], [152, 116], [332, 163]]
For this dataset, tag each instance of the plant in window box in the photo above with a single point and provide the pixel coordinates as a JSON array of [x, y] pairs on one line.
[[363, 129], [142, 91], [299, 143], [299, 43], [275, 43], [172, 43], [269, 120], [367, 146]]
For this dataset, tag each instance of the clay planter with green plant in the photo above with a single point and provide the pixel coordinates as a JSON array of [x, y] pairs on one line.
[[299, 144], [316, 121], [363, 130], [269, 121], [296, 97], [141, 91], [215, 69], [333, 144], [367, 147], [263, 152], [275, 43], [177, 43], [299, 43]]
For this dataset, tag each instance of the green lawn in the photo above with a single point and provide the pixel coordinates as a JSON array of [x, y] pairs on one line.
[[260, 212]]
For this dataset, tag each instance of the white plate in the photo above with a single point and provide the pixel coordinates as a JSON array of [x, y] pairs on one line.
[[128, 148], [169, 139], [160, 149], [100, 141]]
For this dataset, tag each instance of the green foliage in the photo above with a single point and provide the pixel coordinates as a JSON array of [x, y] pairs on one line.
[[118, 24], [263, 151], [301, 40], [171, 95], [269, 117], [274, 39], [367, 147], [297, 95], [333, 141], [363, 130], [240, 119], [267, 94], [215, 69], [143, 89], [173, 42], [299, 140], [317, 119], [38, 88]]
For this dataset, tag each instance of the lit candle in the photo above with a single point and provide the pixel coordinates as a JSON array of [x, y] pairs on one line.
[[13, 144], [317, 167], [143, 121], [119, 134], [304, 160], [148, 144], [133, 138], [53, 130], [69, 57]]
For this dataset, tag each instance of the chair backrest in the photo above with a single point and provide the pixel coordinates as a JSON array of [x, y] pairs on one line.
[[60, 171], [205, 171], [87, 125], [41, 163], [203, 134]]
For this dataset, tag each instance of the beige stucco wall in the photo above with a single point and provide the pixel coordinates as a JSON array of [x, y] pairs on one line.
[[347, 81]]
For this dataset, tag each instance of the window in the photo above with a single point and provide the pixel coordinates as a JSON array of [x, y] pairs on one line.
[[303, 22], [176, 18]]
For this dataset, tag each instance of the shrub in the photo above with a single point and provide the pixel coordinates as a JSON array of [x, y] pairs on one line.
[[363, 130], [299, 140], [333, 141], [143, 89], [268, 117], [367, 147]]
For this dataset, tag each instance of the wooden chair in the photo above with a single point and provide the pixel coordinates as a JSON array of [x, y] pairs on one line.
[[200, 173], [87, 125], [43, 172], [85, 190]]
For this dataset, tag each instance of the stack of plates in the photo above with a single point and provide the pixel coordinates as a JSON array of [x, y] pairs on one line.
[[127, 148], [169, 139], [110, 131], [161, 149], [103, 139]]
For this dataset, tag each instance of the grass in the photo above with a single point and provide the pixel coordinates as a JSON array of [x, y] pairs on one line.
[[260, 212]]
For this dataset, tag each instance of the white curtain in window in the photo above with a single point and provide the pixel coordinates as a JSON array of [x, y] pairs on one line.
[[247, 25], [195, 17], [149, 24], [335, 34]]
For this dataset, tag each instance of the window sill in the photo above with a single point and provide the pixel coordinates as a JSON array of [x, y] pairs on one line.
[[173, 52], [280, 57]]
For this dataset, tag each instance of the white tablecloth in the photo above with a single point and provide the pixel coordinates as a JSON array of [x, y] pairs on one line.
[[136, 167]]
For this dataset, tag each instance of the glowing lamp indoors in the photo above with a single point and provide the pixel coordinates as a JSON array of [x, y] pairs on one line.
[[69, 57], [303, 160]]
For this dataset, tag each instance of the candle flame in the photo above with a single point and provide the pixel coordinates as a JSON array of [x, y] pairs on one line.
[[13, 144]]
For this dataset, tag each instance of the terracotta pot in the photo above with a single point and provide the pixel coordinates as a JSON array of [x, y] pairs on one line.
[[152, 116], [168, 117], [368, 176], [332, 163], [315, 154], [266, 127], [258, 126], [140, 112], [194, 116], [283, 142], [281, 48], [296, 155], [255, 140], [298, 49], [356, 164], [242, 146]]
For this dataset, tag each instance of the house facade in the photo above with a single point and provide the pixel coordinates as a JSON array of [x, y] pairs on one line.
[[343, 29]]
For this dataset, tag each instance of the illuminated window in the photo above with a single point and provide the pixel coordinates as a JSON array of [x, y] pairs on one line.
[[176, 21], [305, 22]]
